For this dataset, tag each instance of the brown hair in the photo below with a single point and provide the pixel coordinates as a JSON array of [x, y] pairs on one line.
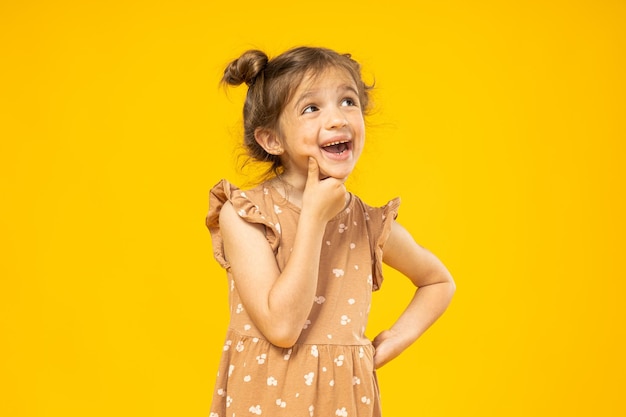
[[272, 83]]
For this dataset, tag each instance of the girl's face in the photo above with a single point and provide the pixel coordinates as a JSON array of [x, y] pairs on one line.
[[323, 120]]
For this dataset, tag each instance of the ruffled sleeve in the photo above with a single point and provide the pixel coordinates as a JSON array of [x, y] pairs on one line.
[[380, 221], [246, 207]]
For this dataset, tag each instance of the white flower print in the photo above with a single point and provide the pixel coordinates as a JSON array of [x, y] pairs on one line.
[[369, 279], [214, 415], [336, 274], [277, 225], [247, 327], [342, 228], [314, 351], [243, 194], [229, 400], [221, 392], [266, 190], [341, 412], [232, 285], [227, 345], [328, 243], [308, 378], [231, 368], [242, 213], [331, 382]]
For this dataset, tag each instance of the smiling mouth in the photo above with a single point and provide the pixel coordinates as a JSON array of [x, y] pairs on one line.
[[338, 147]]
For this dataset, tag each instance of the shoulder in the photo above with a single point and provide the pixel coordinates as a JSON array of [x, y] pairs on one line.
[[224, 191], [377, 213], [235, 221], [238, 213], [226, 196]]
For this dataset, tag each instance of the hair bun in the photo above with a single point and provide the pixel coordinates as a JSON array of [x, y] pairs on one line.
[[246, 68]]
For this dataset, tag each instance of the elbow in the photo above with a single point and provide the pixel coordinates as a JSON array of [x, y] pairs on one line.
[[283, 336], [283, 343], [451, 287]]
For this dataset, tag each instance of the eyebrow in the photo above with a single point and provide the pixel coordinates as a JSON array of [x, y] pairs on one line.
[[311, 93]]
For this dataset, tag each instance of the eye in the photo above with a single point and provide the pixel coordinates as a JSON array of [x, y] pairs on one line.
[[310, 109], [348, 101]]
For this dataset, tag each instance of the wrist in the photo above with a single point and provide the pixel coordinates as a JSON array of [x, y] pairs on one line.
[[312, 218]]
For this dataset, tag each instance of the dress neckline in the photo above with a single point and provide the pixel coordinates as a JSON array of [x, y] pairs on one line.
[[283, 201]]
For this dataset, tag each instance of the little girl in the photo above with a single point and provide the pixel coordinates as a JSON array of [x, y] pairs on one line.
[[302, 254]]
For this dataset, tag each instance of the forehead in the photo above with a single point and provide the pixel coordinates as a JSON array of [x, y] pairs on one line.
[[325, 78]]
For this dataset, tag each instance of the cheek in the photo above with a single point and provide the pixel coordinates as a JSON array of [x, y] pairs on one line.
[[358, 123], [360, 133]]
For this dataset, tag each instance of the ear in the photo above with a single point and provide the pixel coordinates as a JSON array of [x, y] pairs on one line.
[[268, 140]]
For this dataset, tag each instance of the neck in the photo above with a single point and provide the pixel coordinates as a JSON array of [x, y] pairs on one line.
[[295, 182], [291, 187]]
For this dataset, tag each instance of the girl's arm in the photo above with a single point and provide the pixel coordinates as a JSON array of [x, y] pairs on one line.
[[435, 288], [279, 302]]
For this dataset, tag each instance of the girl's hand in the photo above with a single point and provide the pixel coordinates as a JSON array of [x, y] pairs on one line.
[[323, 198], [388, 346]]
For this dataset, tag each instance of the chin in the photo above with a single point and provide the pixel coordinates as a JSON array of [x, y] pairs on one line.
[[335, 173]]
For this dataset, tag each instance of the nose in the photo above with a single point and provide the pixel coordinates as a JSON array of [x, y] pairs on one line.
[[336, 118]]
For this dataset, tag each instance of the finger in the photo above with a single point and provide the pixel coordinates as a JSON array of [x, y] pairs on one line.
[[314, 170]]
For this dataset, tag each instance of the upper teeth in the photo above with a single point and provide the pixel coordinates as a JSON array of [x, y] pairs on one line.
[[335, 143]]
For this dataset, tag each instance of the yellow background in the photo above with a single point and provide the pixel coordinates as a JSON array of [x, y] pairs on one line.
[[500, 124]]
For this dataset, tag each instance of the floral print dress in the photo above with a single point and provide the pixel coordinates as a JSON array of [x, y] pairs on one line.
[[329, 371]]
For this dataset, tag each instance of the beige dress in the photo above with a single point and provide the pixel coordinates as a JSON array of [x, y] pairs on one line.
[[329, 371]]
